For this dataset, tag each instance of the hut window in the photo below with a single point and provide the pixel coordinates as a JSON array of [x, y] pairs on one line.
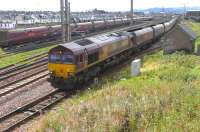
[[93, 57]]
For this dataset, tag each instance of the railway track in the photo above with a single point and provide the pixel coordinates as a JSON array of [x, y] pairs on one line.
[[14, 81], [11, 74], [29, 110], [23, 64], [17, 77]]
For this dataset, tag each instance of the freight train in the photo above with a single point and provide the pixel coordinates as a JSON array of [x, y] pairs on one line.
[[80, 60], [9, 38]]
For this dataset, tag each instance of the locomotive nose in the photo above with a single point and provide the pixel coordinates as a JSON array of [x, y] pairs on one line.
[[62, 70]]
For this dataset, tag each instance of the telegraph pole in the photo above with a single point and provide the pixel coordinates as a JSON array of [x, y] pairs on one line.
[[185, 10], [62, 20], [70, 35], [131, 12], [67, 20]]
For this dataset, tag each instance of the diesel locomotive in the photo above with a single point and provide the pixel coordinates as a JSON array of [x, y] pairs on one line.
[[80, 60]]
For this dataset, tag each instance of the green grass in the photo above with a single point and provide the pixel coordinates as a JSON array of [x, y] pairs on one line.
[[165, 97], [1, 51], [13, 59], [195, 27]]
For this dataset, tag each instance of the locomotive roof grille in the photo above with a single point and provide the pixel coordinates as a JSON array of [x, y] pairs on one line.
[[84, 42]]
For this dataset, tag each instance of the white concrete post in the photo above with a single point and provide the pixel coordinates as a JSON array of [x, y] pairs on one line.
[[135, 67], [96, 81]]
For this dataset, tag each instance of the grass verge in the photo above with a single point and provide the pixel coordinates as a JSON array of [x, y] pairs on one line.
[[165, 97], [13, 59]]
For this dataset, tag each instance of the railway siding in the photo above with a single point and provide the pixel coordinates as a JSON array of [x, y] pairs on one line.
[[15, 86], [20, 57], [24, 95], [28, 110]]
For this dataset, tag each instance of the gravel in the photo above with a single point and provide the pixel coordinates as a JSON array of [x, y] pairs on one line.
[[23, 96], [22, 75]]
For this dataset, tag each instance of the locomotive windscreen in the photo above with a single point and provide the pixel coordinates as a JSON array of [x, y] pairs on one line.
[[62, 58], [67, 58], [55, 57]]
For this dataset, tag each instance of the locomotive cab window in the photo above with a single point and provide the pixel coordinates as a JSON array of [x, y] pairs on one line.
[[61, 58], [55, 57], [67, 58]]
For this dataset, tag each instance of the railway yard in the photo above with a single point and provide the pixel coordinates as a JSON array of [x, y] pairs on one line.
[[33, 75]]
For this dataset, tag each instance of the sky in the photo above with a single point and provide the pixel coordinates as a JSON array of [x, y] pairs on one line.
[[83, 5]]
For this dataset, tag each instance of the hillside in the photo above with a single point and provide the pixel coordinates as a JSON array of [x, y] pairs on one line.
[[178, 10]]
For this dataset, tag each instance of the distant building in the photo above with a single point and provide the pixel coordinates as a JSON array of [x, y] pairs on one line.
[[193, 14], [98, 11], [7, 25], [139, 13], [19, 18]]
